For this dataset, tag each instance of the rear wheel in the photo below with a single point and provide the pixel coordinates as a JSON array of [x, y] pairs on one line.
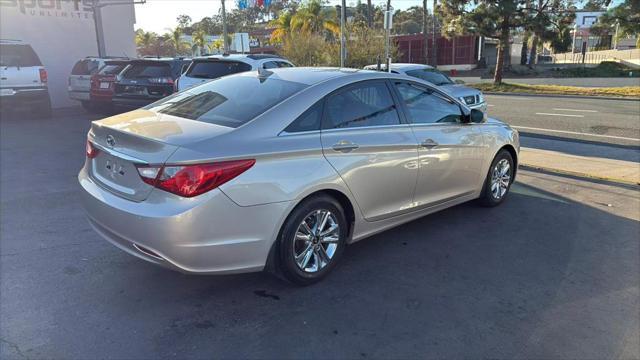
[[312, 240], [499, 179]]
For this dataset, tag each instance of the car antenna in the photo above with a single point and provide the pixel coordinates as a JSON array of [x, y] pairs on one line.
[[263, 74]]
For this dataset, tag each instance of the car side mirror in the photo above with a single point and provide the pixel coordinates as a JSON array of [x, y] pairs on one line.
[[476, 116], [458, 81]]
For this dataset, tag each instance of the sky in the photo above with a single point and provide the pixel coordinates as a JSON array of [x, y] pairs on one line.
[[159, 15]]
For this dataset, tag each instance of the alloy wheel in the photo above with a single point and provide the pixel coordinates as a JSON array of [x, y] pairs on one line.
[[316, 241], [500, 179]]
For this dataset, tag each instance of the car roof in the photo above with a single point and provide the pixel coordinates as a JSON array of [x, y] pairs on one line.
[[401, 66], [245, 57], [315, 75]]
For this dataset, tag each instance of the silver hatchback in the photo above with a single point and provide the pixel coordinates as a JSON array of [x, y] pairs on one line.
[[282, 169]]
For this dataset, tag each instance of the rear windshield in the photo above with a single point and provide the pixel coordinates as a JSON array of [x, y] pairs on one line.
[[112, 69], [18, 55], [85, 67], [433, 76], [147, 70], [212, 69], [229, 101]]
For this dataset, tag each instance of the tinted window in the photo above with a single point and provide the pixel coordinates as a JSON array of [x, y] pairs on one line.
[[426, 106], [283, 64], [146, 70], [111, 69], [308, 121], [369, 104], [270, 65], [216, 69], [229, 101], [18, 55], [85, 67], [433, 76]]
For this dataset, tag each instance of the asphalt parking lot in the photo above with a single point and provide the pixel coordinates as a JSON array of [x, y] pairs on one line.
[[552, 273]]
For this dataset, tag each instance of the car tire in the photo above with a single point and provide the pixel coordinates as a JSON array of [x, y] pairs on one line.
[[306, 256], [499, 179]]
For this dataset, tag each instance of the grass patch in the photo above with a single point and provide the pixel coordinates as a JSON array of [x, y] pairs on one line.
[[625, 91]]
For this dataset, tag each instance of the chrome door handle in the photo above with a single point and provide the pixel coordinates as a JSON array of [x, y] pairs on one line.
[[344, 146], [429, 143]]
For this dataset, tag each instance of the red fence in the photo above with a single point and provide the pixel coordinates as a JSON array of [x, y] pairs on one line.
[[456, 51]]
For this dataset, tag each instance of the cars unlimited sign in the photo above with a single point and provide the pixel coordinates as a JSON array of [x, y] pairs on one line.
[[72, 9]]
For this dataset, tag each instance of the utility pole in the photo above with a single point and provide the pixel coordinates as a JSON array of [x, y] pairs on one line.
[[575, 32], [388, 24], [425, 36], [224, 30], [369, 16], [434, 44], [615, 37], [96, 7], [340, 9]]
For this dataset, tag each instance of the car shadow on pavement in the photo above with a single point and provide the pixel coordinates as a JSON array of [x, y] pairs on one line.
[[540, 276]]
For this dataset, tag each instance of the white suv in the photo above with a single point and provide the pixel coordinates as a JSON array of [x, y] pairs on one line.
[[206, 68], [23, 79]]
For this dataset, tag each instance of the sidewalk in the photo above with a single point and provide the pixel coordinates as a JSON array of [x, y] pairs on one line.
[[627, 172]]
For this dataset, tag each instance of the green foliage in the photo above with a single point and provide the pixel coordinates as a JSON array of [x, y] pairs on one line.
[[409, 27], [306, 49], [627, 15], [604, 69]]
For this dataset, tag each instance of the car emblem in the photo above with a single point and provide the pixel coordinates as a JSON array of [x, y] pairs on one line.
[[111, 141]]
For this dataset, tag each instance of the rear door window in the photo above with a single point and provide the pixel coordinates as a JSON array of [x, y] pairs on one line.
[[85, 67], [366, 104], [214, 69], [228, 101], [147, 71], [309, 121], [18, 55], [283, 64], [111, 69]]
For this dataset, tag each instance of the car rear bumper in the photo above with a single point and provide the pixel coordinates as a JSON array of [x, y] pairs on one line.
[[16, 97], [79, 95], [207, 234], [132, 101]]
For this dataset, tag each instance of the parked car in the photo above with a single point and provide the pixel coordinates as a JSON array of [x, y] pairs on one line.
[[103, 82], [281, 169], [471, 97], [23, 79], [80, 79], [211, 67], [144, 81]]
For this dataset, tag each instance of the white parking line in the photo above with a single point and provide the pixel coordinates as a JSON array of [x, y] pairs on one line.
[[577, 110], [551, 114], [575, 133]]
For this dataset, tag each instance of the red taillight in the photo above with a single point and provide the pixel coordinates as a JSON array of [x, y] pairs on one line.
[[43, 76], [193, 180], [92, 151]]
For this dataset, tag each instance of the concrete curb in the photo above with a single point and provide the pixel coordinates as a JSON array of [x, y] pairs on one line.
[[529, 167], [563, 96]]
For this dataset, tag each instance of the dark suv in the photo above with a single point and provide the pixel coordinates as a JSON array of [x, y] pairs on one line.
[[144, 81]]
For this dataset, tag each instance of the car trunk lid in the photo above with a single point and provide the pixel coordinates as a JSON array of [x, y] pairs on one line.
[[137, 138]]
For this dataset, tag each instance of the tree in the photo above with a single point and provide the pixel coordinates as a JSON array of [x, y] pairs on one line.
[[199, 39], [545, 20], [313, 18], [184, 21], [282, 25], [305, 49], [486, 18], [174, 37], [626, 16]]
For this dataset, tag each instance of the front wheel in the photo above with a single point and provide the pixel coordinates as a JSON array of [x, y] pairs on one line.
[[499, 179], [313, 239]]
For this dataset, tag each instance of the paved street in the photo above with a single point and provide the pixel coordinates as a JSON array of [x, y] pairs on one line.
[[597, 120], [552, 273]]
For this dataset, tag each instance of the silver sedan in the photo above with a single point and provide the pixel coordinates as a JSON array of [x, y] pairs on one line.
[[280, 170]]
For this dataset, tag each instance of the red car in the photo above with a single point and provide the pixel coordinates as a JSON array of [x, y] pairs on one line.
[[103, 82]]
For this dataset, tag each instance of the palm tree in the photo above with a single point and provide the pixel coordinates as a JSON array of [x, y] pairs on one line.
[[199, 40], [175, 38], [144, 41], [216, 46], [311, 17], [282, 26]]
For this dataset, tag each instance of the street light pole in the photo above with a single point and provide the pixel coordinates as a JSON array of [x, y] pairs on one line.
[[388, 24], [343, 46], [224, 30], [575, 32]]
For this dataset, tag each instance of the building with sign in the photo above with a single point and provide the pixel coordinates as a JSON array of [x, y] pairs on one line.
[[63, 31]]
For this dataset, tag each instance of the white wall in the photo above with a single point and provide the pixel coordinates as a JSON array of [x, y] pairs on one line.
[[62, 31]]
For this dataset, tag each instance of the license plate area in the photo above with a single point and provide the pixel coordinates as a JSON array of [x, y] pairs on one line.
[[135, 90], [119, 176], [105, 85]]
